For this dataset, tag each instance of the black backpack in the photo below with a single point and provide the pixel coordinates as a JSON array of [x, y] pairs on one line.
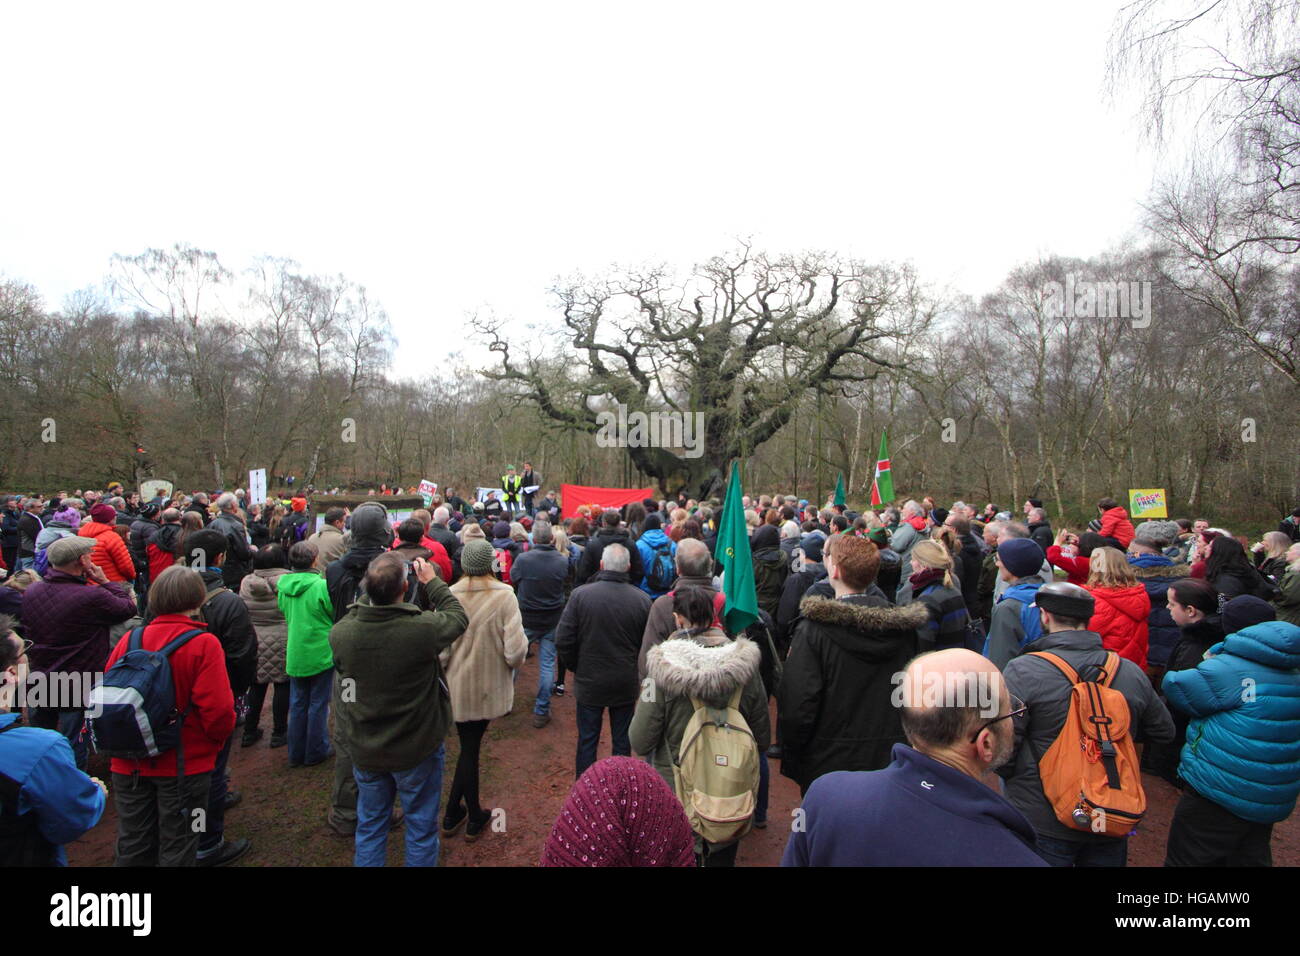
[[291, 532]]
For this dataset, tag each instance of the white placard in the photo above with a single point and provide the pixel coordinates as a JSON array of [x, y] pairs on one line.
[[257, 486], [427, 490]]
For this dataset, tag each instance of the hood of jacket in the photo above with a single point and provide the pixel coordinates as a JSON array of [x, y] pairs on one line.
[[616, 536], [261, 584], [707, 666], [295, 583], [357, 560], [1132, 601], [1145, 562], [93, 529], [816, 570], [370, 527], [166, 535], [774, 557], [655, 538], [1272, 643], [865, 626]]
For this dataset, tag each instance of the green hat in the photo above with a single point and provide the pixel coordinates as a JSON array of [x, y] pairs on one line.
[[510, 467]]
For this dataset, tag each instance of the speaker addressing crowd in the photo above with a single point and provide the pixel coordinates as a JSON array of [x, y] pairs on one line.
[[943, 668]]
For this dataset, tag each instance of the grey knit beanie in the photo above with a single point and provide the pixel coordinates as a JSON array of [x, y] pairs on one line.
[[476, 557]]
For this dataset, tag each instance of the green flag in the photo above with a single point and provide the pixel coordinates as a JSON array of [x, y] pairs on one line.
[[882, 489], [732, 551], [839, 490]]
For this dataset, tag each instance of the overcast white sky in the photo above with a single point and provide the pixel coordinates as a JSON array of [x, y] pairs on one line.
[[457, 159]]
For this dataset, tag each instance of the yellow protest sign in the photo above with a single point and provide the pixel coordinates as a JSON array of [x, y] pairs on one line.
[[1147, 503]]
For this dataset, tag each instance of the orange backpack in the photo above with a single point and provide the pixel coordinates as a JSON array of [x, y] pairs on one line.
[[1090, 773]]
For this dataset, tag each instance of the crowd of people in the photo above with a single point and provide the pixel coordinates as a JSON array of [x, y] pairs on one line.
[[374, 638]]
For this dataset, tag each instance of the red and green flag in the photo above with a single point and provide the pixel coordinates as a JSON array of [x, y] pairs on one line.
[[882, 488], [732, 551]]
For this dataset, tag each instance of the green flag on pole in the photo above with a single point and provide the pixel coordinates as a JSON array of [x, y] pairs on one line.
[[882, 489], [839, 490], [732, 551]]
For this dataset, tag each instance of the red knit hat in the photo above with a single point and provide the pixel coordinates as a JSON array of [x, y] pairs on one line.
[[298, 504], [620, 813], [104, 514]]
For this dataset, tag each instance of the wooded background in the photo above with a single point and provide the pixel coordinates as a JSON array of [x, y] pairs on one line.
[[181, 366]]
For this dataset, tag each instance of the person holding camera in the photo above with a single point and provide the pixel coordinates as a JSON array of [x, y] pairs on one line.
[[398, 711]]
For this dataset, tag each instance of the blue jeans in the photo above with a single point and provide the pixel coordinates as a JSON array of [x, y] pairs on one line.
[[590, 720], [420, 789], [1107, 852], [25, 563], [69, 722], [545, 667], [309, 710]]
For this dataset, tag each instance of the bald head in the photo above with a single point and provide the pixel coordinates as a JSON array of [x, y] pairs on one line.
[[949, 696]]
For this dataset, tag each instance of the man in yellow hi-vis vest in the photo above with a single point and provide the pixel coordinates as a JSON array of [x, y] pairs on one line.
[[510, 484]]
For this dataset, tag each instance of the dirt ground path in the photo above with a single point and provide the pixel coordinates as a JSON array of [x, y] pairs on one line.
[[526, 773]]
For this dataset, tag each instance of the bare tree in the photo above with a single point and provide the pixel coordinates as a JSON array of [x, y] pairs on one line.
[[740, 340]]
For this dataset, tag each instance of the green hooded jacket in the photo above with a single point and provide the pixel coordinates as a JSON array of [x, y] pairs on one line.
[[305, 602]]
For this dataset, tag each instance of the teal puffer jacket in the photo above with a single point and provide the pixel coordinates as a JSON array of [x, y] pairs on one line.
[[1243, 747]]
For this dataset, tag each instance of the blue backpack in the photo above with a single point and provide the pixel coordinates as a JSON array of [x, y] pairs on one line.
[[137, 702], [1030, 622], [41, 563], [662, 573]]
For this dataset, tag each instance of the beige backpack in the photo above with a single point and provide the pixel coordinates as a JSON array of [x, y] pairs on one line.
[[716, 771]]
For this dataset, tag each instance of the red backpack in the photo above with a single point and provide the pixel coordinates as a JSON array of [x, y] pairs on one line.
[[501, 564]]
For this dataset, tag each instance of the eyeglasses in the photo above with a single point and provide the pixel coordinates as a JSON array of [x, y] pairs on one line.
[[1018, 709]]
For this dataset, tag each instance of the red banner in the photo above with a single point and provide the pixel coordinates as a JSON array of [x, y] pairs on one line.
[[573, 497]]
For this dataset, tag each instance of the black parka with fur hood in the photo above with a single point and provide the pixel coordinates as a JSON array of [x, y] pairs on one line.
[[835, 700]]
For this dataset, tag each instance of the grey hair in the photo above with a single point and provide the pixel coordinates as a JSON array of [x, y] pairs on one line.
[[615, 558], [1037, 514], [441, 515], [542, 533], [912, 506], [693, 558], [227, 502], [958, 506]]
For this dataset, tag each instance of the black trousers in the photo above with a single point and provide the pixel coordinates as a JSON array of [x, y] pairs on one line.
[[1205, 834], [151, 828], [279, 708], [464, 785], [715, 855]]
